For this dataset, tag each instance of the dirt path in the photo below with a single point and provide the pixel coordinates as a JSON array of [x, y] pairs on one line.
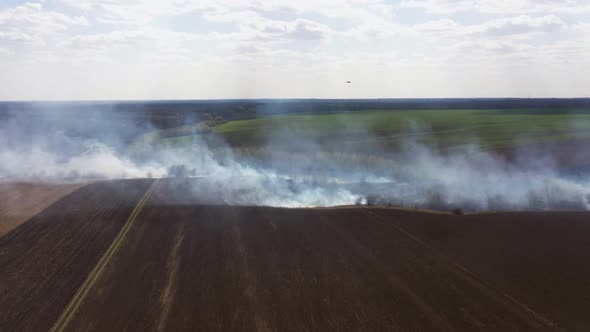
[[94, 275]]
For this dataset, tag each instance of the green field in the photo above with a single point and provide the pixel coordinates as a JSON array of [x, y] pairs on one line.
[[448, 129]]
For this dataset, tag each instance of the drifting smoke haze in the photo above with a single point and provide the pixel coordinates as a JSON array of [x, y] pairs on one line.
[[56, 146]]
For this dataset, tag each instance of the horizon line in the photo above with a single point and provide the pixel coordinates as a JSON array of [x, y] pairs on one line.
[[283, 99]]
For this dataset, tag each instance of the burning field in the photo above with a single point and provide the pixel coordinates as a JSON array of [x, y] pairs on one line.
[[473, 161], [356, 221]]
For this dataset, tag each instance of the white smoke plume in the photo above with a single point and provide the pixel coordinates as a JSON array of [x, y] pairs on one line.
[[57, 148]]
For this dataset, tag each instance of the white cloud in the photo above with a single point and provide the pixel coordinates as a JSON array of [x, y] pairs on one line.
[[500, 27], [118, 12], [31, 17], [521, 25], [300, 29], [208, 48], [138, 12], [129, 38], [256, 33], [529, 41], [499, 6], [15, 36], [30, 24]]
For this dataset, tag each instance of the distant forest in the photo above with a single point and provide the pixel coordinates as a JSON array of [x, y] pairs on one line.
[[170, 114]]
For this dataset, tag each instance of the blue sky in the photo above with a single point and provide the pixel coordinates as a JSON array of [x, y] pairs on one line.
[[202, 49]]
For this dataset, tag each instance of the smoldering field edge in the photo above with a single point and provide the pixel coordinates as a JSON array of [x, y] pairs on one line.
[[315, 153]]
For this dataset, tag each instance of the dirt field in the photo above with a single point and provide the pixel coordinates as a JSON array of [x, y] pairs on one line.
[[192, 267], [187, 266], [20, 201], [538, 258], [45, 260]]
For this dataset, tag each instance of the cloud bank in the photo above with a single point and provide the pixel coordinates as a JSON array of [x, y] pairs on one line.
[[147, 49]]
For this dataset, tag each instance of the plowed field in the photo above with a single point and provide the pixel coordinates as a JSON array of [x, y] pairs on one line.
[[185, 265], [45, 260], [20, 201]]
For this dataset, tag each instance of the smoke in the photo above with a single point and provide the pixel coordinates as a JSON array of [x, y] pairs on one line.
[[288, 169]]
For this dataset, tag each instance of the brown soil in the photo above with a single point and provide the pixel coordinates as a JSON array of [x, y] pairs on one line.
[[195, 267], [20, 201], [45, 260], [201, 267], [537, 258]]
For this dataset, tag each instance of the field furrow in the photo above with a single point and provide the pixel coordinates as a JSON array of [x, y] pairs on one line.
[[46, 259]]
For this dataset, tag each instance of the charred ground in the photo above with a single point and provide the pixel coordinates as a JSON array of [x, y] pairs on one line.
[[196, 266]]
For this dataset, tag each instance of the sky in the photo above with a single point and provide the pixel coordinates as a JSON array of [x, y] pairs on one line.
[[218, 49]]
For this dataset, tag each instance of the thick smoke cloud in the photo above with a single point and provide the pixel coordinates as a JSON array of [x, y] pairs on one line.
[[61, 147]]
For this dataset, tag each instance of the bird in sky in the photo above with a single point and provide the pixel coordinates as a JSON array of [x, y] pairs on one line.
[[347, 82]]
